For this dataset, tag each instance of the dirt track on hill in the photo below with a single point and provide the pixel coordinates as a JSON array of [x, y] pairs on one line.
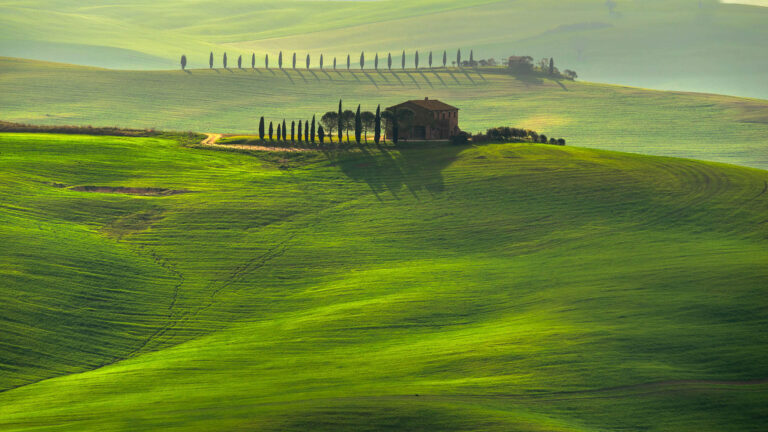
[[212, 139]]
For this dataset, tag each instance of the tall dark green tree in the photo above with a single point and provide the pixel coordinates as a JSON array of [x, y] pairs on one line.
[[376, 62], [403, 60], [458, 58], [330, 121], [471, 58], [445, 58], [253, 61], [334, 63], [389, 61], [349, 62], [293, 131], [299, 135], [551, 66], [279, 133], [306, 131], [416, 60], [271, 131], [261, 129], [240, 62], [210, 61], [307, 61], [280, 60], [341, 121], [358, 126], [377, 126], [430, 59], [294, 60], [183, 62], [224, 60], [321, 62], [367, 120], [321, 134], [285, 131], [312, 131], [266, 61], [362, 60]]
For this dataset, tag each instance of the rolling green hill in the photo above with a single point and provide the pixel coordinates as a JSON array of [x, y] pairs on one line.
[[666, 44], [502, 287], [700, 126]]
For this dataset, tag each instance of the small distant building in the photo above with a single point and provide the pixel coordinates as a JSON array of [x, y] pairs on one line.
[[520, 63], [433, 120]]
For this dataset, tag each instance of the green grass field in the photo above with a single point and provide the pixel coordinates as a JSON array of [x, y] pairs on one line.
[[708, 127], [666, 44], [503, 287]]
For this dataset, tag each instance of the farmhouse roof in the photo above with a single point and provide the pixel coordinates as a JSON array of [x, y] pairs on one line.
[[429, 104]]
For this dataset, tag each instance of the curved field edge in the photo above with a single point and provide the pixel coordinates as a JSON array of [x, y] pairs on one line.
[[454, 288], [697, 126]]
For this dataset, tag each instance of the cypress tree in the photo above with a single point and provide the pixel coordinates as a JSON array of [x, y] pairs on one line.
[[430, 59], [376, 62], [312, 131], [377, 126], [271, 131], [341, 122], [334, 63], [280, 60], [321, 62], [307, 61], [240, 62], [293, 131], [458, 58], [266, 61], [261, 129], [358, 126], [183, 62], [306, 131], [551, 66], [294, 60], [279, 133], [321, 134], [210, 61], [416, 60], [253, 61], [389, 61], [285, 131], [403, 60], [362, 60], [445, 58], [298, 139], [471, 58], [348, 62], [224, 60]]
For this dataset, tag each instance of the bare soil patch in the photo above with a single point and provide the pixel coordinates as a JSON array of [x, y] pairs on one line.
[[129, 190]]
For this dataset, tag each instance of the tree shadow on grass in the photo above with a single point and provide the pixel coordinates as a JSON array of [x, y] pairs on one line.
[[440, 79], [314, 74], [288, 75], [529, 79], [371, 78], [453, 76], [395, 74], [301, 75], [413, 79], [426, 79], [384, 77], [466, 74], [330, 78], [561, 85], [416, 167]]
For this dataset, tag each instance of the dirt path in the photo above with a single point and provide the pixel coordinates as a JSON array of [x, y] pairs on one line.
[[211, 139]]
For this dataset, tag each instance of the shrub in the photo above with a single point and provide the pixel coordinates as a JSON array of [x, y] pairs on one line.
[[560, 141], [462, 138]]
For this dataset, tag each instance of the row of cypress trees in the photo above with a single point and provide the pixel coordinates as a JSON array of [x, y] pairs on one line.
[[308, 62], [312, 131]]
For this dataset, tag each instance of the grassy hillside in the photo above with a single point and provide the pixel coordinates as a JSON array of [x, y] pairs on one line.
[[708, 127], [667, 44], [503, 287]]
